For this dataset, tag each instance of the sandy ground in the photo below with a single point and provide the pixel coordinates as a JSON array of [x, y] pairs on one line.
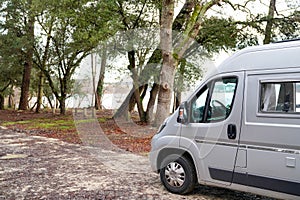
[[34, 167]]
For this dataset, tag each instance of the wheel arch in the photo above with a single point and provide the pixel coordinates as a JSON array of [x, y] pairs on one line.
[[180, 152]]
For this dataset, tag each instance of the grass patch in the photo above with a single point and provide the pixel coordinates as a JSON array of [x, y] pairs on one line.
[[102, 119], [61, 123], [44, 123], [17, 122], [53, 124]]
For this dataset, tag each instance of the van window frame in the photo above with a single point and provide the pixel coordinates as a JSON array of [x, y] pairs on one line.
[[276, 114], [210, 86]]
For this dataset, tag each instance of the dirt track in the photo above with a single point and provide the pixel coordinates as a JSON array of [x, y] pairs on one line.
[[33, 167]]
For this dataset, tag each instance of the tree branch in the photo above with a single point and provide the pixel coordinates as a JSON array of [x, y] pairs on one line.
[[139, 16]]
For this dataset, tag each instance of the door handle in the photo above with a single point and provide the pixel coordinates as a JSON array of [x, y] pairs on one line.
[[231, 131]]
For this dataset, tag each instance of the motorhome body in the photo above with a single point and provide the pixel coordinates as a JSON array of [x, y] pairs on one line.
[[240, 129]]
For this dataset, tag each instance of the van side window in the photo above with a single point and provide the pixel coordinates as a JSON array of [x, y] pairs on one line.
[[221, 99], [214, 101], [282, 97], [198, 105]]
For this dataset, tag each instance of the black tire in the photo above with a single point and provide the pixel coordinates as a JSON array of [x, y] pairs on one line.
[[178, 174]]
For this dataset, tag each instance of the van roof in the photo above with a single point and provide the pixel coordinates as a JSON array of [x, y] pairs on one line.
[[264, 57]]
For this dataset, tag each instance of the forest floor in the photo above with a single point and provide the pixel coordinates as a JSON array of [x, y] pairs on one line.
[[131, 136]]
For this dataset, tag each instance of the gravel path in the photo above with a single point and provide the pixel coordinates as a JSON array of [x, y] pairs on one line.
[[33, 167]]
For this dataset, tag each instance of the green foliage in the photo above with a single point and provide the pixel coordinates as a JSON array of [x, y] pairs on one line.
[[69, 30], [72, 30], [66, 32], [285, 25], [13, 43], [218, 34], [189, 71], [287, 28]]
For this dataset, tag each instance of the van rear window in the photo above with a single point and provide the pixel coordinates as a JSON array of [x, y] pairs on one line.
[[280, 97]]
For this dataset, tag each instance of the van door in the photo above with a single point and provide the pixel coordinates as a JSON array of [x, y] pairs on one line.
[[271, 132], [214, 126]]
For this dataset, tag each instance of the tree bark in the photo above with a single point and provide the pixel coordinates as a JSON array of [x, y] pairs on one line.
[[168, 69], [40, 93], [100, 85], [179, 84], [177, 100], [270, 17], [142, 91], [1, 101], [93, 66], [62, 105], [135, 78], [28, 63], [122, 112], [42, 67], [151, 102], [50, 102], [2, 96], [25, 86], [11, 102], [132, 101]]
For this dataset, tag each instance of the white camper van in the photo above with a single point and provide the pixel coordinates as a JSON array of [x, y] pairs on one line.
[[240, 129]]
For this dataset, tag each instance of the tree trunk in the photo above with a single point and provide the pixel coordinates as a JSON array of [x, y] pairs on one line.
[[62, 105], [177, 100], [139, 105], [122, 112], [132, 103], [179, 84], [135, 78], [145, 75], [40, 93], [100, 84], [93, 66], [151, 102], [148, 71], [11, 102], [28, 63], [142, 91], [25, 86], [172, 58], [1, 101], [42, 68], [268, 30], [168, 70], [50, 102]]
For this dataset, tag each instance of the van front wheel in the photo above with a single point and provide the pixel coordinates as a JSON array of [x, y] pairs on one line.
[[178, 174]]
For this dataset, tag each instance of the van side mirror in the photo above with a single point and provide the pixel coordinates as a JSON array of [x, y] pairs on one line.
[[183, 113]]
